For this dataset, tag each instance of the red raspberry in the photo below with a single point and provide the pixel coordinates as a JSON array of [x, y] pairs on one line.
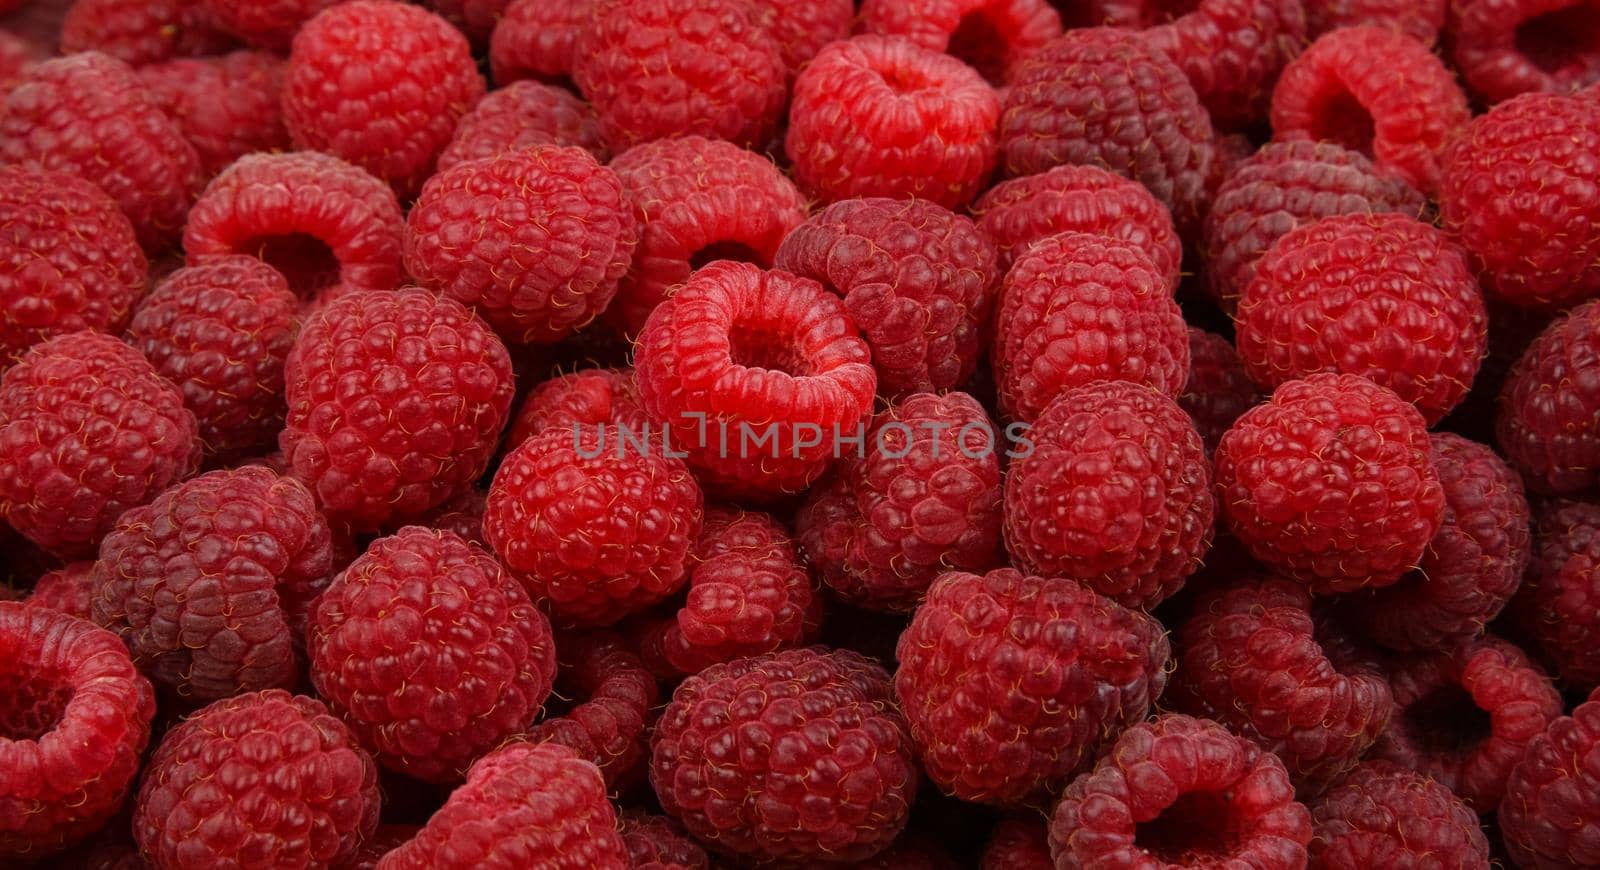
[[142, 31], [1181, 792], [838, 783], [462, 516], [1219, 390], [220, 333], [1508, 47], [584, 400], [1376, 91], [699, 200], [1018, 844], [475, 18], [522, 115], [326, 225], [17, 56], [268, 777], [396, 403], [1534, 233], [659, 843], [992, 729], [265, 24], [1557, 603], [538, 39], [802, 29], [1082, 307], [918, 279], [596, 532], [1419, 19], [992, 36], [1104, 96], [659, 68], [1549, 421], [1550, 818], [90, 116], [386, 838], [1382, 815], [417, 80], [1331, 482], [609, 727], [74, 720], [227, 107], [743, 367], [88, 429], [69, 590], [525, 805], [69, 260]]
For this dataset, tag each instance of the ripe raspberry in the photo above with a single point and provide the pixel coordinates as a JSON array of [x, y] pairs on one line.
[[594, 532], [1081, 307], [74, 720], [88, 429], [417, 80], [1382, 815], [396, 403], [1376, 91], [1557, 603], [461, 516], [659, 843], [802, 29], [743, 367], [1550, 818], [583, 401], [522, 115], [90, 116], [1331, 482], [525, 805], [268, 776], [841, 778], [992, 730], [1508, 48], [698, 200], [917, 278], [1466, 717], [1421, 20], [475, 18], [1181, 792], [226, 107], [659, 68], [266, 24], [535, 240], [1018, 844], [538, 39], [70, 590], [992, 36], [69, 260], [1549, 420], [609, 727], [1219, 390], [142, 31], [17, 56], [386, 838], [326, 225]]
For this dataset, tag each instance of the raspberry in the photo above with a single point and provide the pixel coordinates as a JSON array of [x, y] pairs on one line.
[[17, 56], [267, 777], [396, 403], [1104, 96], [841, 778], [1466, 717], [74, 720], [659, 68], [1508, 48], [596, 533], [740, 355], [992, 729], [1549, 420], [522, 115], [659, 843], [1516, 191], [1382, 815], [881, 116], [69, 590], [90, 116], [538, 39], [462, 516], [699, 200], [1551, 815], [326, 225], [584, 400], [1557, 603], [609, 727], [417, 80], [88, 429], [226, 107], [69, 260], [1376, 91], [993, 36], [1331, 482], [535, 240], [802, 29], [1018, 844], [387, 837], [913, 851], [1181, 792], [475, 18], [918, 278], [524, 805], [1219, 390], [220, 333], [1419, 19], [1081, 307], [142, 31], [266, 24]]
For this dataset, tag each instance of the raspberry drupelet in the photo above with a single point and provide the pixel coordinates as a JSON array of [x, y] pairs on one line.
[[1550, 818], [1382, 815], [143, 31], [991, 36], [1508, 47], [614, 704], [1557, 602], [1549, 416], [520, 115], [226, 106], [1219, 390]]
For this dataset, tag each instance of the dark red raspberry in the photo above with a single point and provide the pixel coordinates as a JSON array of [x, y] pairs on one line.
[[266, 24], [69, 590], [323, 223], [840, 779], [1018, 844], [89, 115], [1550, 818], [88, 429], [1376, 91], [220, 333], [396, 403], [659, 843], [1219, 390], [1181, 792], [17, 55], [756, 375], [918, 279], [74, 720], [268, 776], [583, 401], [1419, 19], [142, 31], [992, 729], [802, 29], [1557, 603], [609, 725], [227, 107], [69, 260], [475, 18], [522, 115], [1331, 481], [462, 516], [1382, 815], [1549, 420], [1508, 47], [417, 80], [1083, 307], [699, 200], [992, 36], [1104, 96], [386, 838], [538, 39]]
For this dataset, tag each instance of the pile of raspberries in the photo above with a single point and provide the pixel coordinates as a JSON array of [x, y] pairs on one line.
[[895, 434]]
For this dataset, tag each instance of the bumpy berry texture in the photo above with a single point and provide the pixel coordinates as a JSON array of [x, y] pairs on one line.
[[226, 107], [992, 36], [1550, 818], [992, 730], [521, 115], [537, 39], [1181, 792], [141, 32], [1382, 815], [475, 18], [1219, 390], [1018, 844], [74, 720], [918, 279], [1549, 417], [1331, 481], [1421, 20], [584, 400], [396, 403], [659, 843], [802, 29], [1557, 602], [266, 24], [1508, 47], [616, 700], [840, 789], [267, 775], [88, 429], [69, 589]]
